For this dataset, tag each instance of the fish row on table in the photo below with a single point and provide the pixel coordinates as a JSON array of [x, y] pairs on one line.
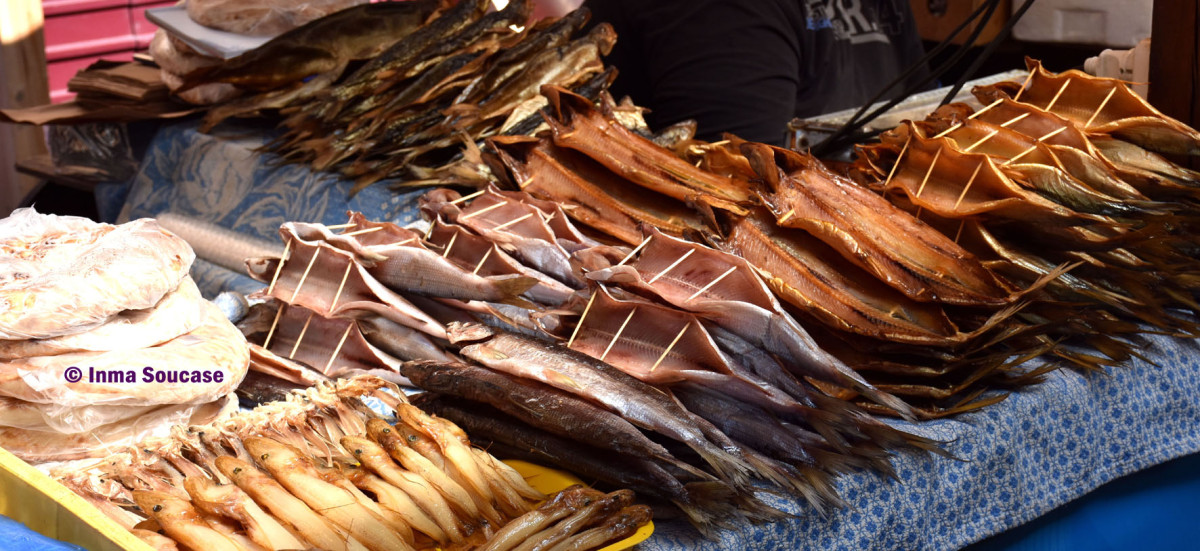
[[416, 108], [323, 470], [89, 314]]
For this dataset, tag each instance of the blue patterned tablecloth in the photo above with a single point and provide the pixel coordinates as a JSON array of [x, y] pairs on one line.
[[1042, 447]]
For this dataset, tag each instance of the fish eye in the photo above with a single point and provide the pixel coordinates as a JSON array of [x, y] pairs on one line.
[[237, 470], [358, 451], [386, 431], [264, 456], [157, 508], [412, 438]]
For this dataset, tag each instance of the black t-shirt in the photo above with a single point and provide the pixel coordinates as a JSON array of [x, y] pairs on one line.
[[749, 66]]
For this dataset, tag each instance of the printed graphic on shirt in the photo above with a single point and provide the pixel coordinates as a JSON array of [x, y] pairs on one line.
[[858, 21]]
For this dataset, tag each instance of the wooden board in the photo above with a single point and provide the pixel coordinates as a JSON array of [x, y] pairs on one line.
[[1175, 62], [22, 84]]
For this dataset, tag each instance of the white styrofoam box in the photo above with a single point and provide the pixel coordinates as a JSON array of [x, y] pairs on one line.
[[1110, 22], [1132, 66]]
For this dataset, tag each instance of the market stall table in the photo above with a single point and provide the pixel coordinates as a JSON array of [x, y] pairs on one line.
[[1044, 446]]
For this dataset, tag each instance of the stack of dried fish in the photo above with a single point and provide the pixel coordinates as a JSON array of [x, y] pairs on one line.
[[1061, 169], [322, 470], [460, 77], [104, 339]]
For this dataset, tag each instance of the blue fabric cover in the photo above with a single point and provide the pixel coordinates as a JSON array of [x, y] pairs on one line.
[[1042, 447], [14, 535]]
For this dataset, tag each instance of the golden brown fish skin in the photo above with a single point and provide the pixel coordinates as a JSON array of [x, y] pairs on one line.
[[586, 515], [593, 195], [232, 502], [802, 271], [521, 528], [579, 126], [296, 473], [182, 522], [397, 500], [619, 525]]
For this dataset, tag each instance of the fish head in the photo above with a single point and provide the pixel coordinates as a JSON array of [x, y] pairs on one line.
[[160, 504], [468, 332], [363, 449], [272, 453], [378, 428]]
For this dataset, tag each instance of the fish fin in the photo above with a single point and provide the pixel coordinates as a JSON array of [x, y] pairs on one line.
[[558, 379], [511, 289]]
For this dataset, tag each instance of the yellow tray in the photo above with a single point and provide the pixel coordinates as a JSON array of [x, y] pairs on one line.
[[39, 502], [548, 481]]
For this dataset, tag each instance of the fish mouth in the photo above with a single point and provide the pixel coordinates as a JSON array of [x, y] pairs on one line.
[[458, 332]]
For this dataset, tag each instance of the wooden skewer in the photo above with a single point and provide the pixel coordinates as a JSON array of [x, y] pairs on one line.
[[482, 210], [341, 342], [1052, 134], [667, 350], [921, 188], [405, 242], [482, 260], [450, 245], [897, 163], [961, 223], [279, 268], [525, 182], [986, 108], [1030, 149], [1061, 89], [1023, 85], [360, 232], [711, 283], [341, 286], [952, 128], [617, 336], [718, 144], [1014, 120], [468, 197], [340, 226], [967, 187], [671, 267], [514, 221], [579, 324], [303, 330], [271, 333], [1102, 104], [981, 140], [303, 277], [786, 215], [429, 231], [635, 250]]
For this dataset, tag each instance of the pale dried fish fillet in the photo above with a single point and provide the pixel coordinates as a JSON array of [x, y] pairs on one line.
[[179, 312], [215, 345], [60, 275]]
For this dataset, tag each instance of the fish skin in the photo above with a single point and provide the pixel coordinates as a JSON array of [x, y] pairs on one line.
[[576, 124], [228, 500], [533, 121], [469, 250], [182, 522], [578, 373], [740, 302], [619, 525], [537, 404], [519, 529]]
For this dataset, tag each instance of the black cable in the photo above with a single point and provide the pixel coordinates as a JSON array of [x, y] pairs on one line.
[[839, 137], [987, 52]]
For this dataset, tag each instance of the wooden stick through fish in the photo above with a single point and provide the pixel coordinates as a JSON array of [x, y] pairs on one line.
[[1030, 149], [468, 197], [450, 245], [981, 140], [303, 330], [482, 260], [1028, 78], [304, 276], [278, 314], [513, 221], [667, 350], [525, 182], [711, 283], [579, 324], [1101, 108], [337, 349], [636, 250], [671, 267], [1014, 120], [943, 133], [786, 215], [360, 232], [892, 172], [968, 186], [1054, 100], [986, 108], [341, 286], [481, 211], [279, 268], [961, 223], [617, 336], [928, 172]]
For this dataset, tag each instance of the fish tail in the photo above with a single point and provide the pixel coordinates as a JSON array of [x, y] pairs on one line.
[[883, 398], [706, 506], [511, 288]]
